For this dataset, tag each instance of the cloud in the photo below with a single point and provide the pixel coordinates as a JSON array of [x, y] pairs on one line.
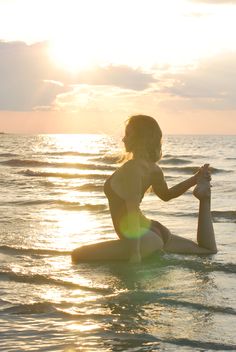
[[29, 80], [97, 98], [24, 70], [119, 76], [211, 85]]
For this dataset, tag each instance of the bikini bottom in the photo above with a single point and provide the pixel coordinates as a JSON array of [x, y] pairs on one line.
[[156, 227], [160, 230]]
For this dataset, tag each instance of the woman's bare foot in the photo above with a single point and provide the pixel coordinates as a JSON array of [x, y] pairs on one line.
[[203, 187]]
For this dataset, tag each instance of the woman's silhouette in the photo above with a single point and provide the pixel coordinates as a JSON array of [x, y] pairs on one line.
[[139, 236]]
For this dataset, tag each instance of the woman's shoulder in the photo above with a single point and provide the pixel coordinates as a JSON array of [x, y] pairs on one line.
[[157, 174], [156, 169]]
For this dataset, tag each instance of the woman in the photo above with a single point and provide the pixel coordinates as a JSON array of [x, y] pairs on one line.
[[138, 236]]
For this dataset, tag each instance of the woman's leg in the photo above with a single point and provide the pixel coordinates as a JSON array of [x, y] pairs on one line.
[[108, 250], [206, 243], [117, 249], [205, 231]]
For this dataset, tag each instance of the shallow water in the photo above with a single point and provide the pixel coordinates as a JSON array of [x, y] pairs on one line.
[[52, 202]]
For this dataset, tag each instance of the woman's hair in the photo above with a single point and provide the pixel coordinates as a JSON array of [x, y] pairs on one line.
[[143, 137]]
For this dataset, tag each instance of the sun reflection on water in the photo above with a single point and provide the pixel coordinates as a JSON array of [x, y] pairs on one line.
[[70, 228], [68, 214], [88, 326], [83, 143]]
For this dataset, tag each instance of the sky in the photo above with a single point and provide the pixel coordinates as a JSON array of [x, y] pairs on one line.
[[76, 66]]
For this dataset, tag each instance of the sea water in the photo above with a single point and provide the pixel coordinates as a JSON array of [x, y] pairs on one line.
[[52, 201]]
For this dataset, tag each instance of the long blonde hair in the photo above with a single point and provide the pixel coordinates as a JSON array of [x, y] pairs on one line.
[[143, 137]]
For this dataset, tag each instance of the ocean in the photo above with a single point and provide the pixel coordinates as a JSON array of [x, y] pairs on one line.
[[52, 201]]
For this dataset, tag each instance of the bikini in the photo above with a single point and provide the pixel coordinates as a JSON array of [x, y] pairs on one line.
[[118, 210]]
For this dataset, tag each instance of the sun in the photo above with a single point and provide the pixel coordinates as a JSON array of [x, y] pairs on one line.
[[71, 54]]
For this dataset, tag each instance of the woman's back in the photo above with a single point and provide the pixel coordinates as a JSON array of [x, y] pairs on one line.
[[128, 185]]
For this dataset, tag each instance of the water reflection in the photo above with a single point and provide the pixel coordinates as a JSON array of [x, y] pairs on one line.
[[170, 303], [154, 301]]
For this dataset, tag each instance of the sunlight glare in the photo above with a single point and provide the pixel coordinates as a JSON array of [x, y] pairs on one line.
[[87, 40], [70, 224], [72, 55], [81, 143], [88, 326]]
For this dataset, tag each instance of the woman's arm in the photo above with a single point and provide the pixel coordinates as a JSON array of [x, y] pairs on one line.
[[161, 189]]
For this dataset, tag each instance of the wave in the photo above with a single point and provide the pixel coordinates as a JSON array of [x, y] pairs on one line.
[[32, 251], [103, 167], [227, 214], [55, 309], [58, 309], [175, 161], [198, 306], [90, 187], [61, 203], [142, 297], [34, 308], [196, 265], [148, 342], [192, 169], [87, 187], [37, 163], [201, 345], [8, 155], [191, 156], [62, 174], [109, 159], [39, 279], [169, 159], [70, 153], [45, 308]]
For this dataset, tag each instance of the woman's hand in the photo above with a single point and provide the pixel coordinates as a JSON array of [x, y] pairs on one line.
[[203, 187], [203, 173]]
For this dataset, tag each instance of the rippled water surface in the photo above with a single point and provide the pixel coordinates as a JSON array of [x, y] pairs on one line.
[[52, 201]]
